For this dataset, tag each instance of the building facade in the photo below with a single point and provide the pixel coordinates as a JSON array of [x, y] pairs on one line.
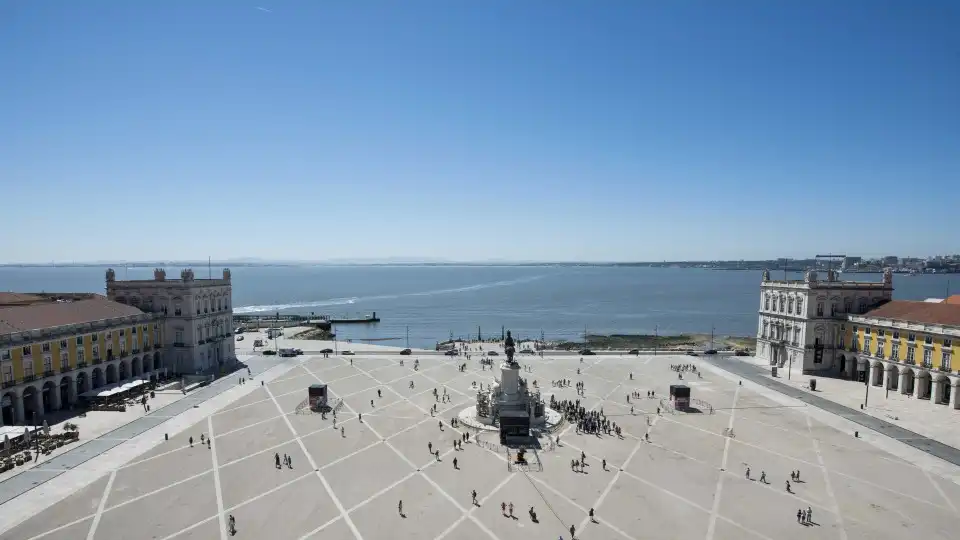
[[803, 323], [910, 348], [55, 347], [196, 316]]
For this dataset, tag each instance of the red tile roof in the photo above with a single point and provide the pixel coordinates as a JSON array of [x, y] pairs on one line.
[[919, 312], [50, 314], [17, 299], [955, 299]]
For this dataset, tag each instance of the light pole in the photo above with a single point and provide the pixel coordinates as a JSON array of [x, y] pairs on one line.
[[656, 339]]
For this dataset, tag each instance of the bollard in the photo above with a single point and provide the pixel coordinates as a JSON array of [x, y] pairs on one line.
[[856, 434], [166, 436]]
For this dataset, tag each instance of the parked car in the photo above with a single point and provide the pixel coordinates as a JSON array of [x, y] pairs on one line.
[[269, 352], [346, 353], [587, 352], [451, 352], [634, 351], [326, 351], [742, 352], [239, 338], [692, 353], [493, 353], [406, 352], [298, 352], [710, 351], [239, 330], [527, 351]]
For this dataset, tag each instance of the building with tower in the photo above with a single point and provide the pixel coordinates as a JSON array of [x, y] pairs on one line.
[[804, 323], [196, 316]]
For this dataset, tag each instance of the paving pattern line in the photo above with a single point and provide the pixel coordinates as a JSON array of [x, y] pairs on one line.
[[100, 506], [940, 491], [610, 484], [715, 511], [925, 444], [313, 463], [216, 479], [570, 501], [429, 480]]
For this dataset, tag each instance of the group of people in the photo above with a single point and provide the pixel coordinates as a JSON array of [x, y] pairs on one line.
[[287, 461]]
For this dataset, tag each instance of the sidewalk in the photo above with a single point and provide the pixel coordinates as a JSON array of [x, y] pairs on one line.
[[843, 398]]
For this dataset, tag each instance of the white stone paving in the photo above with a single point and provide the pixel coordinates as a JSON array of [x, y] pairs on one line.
[[688, 481]]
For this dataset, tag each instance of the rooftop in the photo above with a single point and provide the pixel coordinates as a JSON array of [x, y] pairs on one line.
[[919, 312], [51, 312]]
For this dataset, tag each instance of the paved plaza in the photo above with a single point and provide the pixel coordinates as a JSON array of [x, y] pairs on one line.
[[688, 481]]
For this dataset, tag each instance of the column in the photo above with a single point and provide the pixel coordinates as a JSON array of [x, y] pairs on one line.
[[18, 409], [936, 386], [888, 372], [954, 390], [904, 376], [916, 387], [54, 398]]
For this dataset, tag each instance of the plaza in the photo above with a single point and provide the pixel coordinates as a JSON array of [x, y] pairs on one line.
[[689, 481]]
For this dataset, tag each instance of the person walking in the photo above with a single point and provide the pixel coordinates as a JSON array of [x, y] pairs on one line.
[[232, 525], [474, 497], [510, 507], [400, 507]]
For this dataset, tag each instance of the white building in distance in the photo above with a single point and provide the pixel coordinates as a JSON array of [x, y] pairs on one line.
[[803, 322], [197, 317]]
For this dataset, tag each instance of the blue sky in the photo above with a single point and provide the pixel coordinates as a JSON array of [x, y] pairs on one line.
[[478, 130]]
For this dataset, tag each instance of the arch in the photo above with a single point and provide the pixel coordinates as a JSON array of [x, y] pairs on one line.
[[32, 408], [907, 379], [9, 411], [111, 373], [940, 389], [50, 397], [156, 361], [83, 383], [876, 373], [67, 390], [97, 379], [924, 384], [135, 366], [123, 370]]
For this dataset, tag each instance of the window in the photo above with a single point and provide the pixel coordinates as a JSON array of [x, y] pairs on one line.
[[799, 306], [45, 347], [881, 332], [96, 352], [94, 338], [796, 336], [841, 339], [26, 350], [947, 343], [819, 309], [790, 305], [28, 370], [782, 302], [945, 360], [134, 330], [863, 305], [928, 340], [879, 351], [156, 336], [47, 363], [833, 309], [765, 325], [7, 373], [910, 355], [895, 351], [80, 356], [122, 333], [848, 305], [80, 341], [927, 358], [64, 361], [867, 341], [896, 335], [5, 355], [911, 337], [176, 310]]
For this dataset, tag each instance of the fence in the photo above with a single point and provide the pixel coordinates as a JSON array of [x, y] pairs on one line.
[[531, 465], [338, 406], [667, 406]]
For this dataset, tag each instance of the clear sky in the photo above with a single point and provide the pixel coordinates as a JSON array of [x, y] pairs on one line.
[[478, 130]]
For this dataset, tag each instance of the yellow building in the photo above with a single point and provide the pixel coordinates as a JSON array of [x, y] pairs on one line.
[[909, 347], [55, 347]]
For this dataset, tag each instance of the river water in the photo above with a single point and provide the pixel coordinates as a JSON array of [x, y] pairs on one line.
[[431, 302]]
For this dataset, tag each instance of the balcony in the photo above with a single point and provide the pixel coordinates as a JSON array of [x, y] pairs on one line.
[[29, 378], [910, 362], [97, 361], [179, 344], [48, 373], [146, 348], [8, 384], [81, 365]]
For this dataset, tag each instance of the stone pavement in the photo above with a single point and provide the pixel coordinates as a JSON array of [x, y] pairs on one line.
[[757, 375], [52, 467], [689, 481]]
